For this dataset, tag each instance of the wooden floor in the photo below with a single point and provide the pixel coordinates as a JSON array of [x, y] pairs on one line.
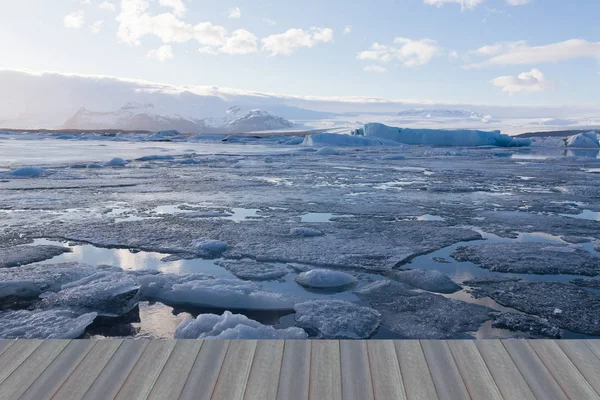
[[323, 370]]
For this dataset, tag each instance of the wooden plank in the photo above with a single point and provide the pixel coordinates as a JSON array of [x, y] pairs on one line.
[[585, 360], [80, 380], [534, 371], [385, 370], [12, 357], [356, 373], [26, 373], [203, 376], [417, 380], [57, 373], [446, 376], [562, 369], [472, 368], [108, 383], [235, 370], [594, 345], [171, 380], [142, 377], [295, 370], [507, 376], [5, 344], [264, 375], [325, 370]]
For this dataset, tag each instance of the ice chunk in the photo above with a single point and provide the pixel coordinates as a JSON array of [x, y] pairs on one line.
[[37, 324], [28, 172], [415, 314], [305, 232], [32, 280], [205, 291], [253, 270], [583, 140], [232, 326], [438, 137], [575, 239], [372, 287], [94, 166], [210, 246], [589, 283], [156, 157], [530, 258], [336, 319], [327, 151], [110, 293], [116, 162], [534, 326], [324, 278], [21, 255], [334, 139], [431, 280]]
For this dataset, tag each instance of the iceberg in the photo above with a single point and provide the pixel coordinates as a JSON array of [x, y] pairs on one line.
[[341, 140], [439, 137], [232, 326], [28, 172], [583, 140], [323, 278]]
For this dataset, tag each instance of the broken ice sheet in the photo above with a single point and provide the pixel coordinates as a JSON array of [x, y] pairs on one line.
[[43, 324]]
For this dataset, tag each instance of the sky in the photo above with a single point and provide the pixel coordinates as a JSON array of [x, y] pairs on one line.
[[532, 52]]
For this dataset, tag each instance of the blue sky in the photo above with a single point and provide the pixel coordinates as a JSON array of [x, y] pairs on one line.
[[426, 49]]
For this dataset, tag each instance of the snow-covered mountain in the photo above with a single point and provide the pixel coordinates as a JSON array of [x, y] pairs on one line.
[[145, 117]]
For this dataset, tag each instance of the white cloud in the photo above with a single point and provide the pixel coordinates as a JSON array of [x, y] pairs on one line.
[[96, 26], [348, 30], [464, 4], [240, 42], [177, 6], [74, 20], [234, 13], [411, 53], [86, 2], [162, 54], [514, 53], [269, 21], [518, 2], [106, 5], [374, 68], [285, 43], [532, 81]]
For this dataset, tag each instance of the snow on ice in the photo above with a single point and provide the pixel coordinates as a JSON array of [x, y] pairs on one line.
[[323, 278]]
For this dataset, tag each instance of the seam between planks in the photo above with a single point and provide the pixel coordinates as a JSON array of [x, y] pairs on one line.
[[163, 368], [518, 369], [577, 368], [212, 393], [591, 349], [25, 359], [132, 368], [101, 371], [550, 372], [310, 361], [341, 382], [428, 368], [280, 368], [73, 370], [370, 370], [462, 378], [188, 374]]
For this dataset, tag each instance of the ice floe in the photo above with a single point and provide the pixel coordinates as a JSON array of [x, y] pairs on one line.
[[324, 278], [340, 140], [431, 280], [305, 232], [27, 172], [21, 255], [232, 326], [535, 327], [336, 319], [38, 324], [116, 162], [253, 270], [583, 140]]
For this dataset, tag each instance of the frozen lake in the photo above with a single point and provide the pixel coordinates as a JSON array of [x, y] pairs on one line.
[[371, 242]]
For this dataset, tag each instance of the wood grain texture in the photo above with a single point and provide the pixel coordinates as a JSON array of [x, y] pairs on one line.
[[174, 375], [144, 374], [356, 373], [506, 375], [325, 370], [585, 360], [563, 370], [444, 371], [25, 374], [416, 377], [58, 371], [295, 370], [108, 383], [534, 371], [385, 370], [13, 356], [235, 371], [5, 344], [205, 372], [88, 370], [264, 375], [473, 370]]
